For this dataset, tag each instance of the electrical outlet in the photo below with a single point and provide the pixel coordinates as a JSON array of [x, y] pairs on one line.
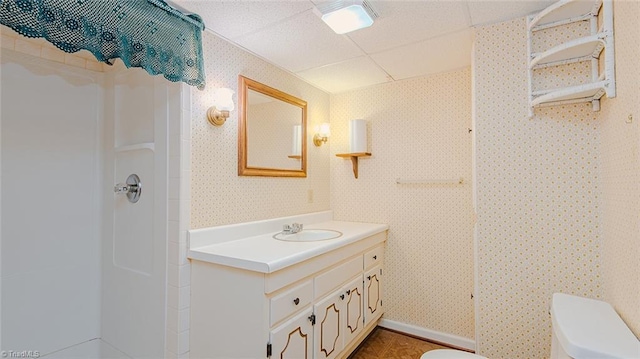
[[310, 196]]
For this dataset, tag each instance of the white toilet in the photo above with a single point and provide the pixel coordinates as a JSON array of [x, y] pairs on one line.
[[582, 328]]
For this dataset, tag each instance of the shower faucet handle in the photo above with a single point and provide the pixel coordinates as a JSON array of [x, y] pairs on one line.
[[121, 188], [132, 188]]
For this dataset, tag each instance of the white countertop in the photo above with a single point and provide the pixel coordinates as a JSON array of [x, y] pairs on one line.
[[263, 253]]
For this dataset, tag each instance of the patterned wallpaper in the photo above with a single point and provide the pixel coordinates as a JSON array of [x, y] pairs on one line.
[[538, 197], [417, 129], [218, 195], [558, 76], [621, 172]]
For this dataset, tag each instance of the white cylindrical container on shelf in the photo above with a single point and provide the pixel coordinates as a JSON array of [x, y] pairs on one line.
[[296, 145], [357, 136]]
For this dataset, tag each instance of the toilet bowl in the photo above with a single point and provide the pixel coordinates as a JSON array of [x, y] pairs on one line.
[[581, 328]]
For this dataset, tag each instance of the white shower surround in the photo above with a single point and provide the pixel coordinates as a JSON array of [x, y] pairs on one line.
[[60, 83], [51, 258]]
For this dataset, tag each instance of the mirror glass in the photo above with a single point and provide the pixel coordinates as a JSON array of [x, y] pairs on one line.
[[272, 132]]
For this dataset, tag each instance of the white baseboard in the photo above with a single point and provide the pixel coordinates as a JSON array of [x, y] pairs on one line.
[[444, 338]]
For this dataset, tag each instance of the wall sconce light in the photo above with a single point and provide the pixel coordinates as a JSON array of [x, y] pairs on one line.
[[322, 135], [222, 104]]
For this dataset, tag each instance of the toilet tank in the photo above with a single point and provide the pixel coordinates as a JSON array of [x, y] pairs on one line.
[[588, 328]]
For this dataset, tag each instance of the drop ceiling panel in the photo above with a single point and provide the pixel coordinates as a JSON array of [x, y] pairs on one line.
[[233, 18], [441, 54], [404, 22], [409, 39], [488, 12], [345, 76], [300, 43]]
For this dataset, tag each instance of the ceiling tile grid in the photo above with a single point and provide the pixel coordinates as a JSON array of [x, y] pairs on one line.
[[300, 43], [485, 12], [233, 18], [404, 22], [442, 54], [408, 39], [342, 76]]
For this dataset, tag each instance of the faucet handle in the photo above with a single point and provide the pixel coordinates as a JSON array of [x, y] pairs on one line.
[[286, 227], [297, 226]]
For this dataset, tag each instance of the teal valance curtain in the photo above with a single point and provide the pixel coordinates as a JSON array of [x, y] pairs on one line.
[[143, 33]]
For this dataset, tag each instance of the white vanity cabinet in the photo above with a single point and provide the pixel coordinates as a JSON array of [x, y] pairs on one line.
[[294, 338], [319, 308], [354, 316], [372, 284], [339, 319], [330, 321], [372, 294]]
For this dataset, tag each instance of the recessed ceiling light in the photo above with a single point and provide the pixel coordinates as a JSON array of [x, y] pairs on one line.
[[347, 15]]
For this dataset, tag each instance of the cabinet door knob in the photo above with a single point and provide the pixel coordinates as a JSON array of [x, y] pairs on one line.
[[348, 291], [341, 296], [375, 257], [296, 301], [369, 277]]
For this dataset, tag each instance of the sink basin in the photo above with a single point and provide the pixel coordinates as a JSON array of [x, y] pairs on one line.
[[308, 235]]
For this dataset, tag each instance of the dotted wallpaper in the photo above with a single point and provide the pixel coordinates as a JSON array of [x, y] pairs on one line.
[[578, 73], [538, 202], [417, 129], [218, 195], [621, 171]]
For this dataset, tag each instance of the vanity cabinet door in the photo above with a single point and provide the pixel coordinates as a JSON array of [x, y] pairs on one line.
[[294, 338], [354, 321], [372, 294], [330, 318]]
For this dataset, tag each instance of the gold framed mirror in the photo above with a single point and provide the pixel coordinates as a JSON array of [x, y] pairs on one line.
[[272, 131]]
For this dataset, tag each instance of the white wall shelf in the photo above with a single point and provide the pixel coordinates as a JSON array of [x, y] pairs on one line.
[[589, 48], [574, 94], [581, 49], [564, 12]]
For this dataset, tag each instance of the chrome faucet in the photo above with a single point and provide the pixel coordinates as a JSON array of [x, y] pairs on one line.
[[292, 229]]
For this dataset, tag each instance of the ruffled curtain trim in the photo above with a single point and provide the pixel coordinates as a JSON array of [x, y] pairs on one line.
[[143, 33]]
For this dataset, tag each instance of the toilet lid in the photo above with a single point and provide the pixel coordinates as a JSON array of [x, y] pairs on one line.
[[450, 354]]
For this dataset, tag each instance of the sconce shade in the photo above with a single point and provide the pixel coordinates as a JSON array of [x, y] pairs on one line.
[[222, 99], [323, 132]]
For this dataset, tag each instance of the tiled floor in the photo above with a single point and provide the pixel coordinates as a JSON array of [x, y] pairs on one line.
[[383, 343]]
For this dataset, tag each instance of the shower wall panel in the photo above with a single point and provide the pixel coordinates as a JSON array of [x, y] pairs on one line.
[[51, 166], [138, 108]]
